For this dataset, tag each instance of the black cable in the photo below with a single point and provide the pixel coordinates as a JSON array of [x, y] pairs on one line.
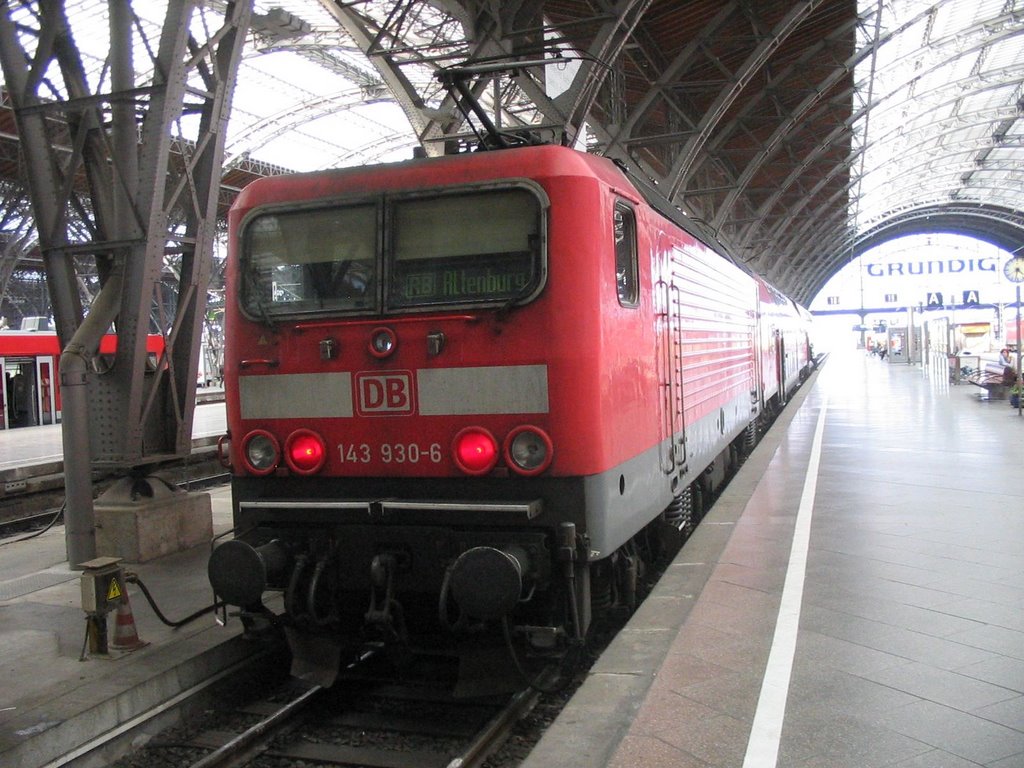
[[134, 579], [49, 525], [574, 650], [85, 642]]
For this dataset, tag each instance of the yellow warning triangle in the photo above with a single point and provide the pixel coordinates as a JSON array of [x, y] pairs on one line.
[[114, 592]]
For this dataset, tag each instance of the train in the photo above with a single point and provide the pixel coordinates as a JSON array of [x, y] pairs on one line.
[[476, 396], [30, 371]]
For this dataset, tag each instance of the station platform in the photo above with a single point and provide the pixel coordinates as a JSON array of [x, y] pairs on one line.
[[42, 446], [57, 697], [854, 599]]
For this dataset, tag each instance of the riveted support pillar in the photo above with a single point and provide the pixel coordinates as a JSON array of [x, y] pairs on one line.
[[124, 187]]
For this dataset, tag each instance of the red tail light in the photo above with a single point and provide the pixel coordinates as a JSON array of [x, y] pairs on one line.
[[305, 452], [475, 451]]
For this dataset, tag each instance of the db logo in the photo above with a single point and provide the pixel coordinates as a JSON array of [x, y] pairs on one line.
[[384, 393]]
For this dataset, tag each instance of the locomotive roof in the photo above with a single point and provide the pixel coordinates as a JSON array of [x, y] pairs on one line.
[[533, 162]]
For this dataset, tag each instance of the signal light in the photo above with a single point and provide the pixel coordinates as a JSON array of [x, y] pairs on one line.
[[528, 450], [260, 452], [475, 451], [305, 452]]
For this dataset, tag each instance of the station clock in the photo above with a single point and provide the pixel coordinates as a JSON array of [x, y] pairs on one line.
[[1014, 269]]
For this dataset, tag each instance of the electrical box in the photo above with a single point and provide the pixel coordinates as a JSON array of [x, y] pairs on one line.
[[102, 585]]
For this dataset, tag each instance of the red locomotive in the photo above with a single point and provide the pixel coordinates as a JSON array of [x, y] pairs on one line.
[[465, 391]]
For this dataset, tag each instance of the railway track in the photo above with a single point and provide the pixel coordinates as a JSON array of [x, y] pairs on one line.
[[391, 727], [362, 723]]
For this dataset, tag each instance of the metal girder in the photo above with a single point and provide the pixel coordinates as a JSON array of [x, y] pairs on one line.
[[573, 105], [678, 176], [830, 237], [373, 40], [489, 31], [797, 234], [828, 221], [149, 194], [271, 127], [795, 212], [394, 45], [784, 128], [668, 76], [608, 44], [381, 145], [45, 168], [836, 220], [993, 224]]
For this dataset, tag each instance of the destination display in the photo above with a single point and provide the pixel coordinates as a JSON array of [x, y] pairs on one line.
[[444, 281]]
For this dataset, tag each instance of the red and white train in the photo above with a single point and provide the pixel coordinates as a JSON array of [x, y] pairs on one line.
[[30, 372], [470, 390]]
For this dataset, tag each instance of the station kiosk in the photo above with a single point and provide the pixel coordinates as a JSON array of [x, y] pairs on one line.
[[904, 344]]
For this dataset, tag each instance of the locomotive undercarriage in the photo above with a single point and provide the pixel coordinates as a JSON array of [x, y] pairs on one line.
[[412, 576], [619, 582]]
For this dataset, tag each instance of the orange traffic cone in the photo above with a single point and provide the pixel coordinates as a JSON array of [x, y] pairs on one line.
[[126, 638]]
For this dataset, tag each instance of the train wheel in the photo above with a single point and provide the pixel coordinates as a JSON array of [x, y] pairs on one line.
[[699, 496], [749, 439], [675, 526]]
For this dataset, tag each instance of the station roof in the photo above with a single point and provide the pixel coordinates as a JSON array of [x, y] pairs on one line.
[[795, 133]]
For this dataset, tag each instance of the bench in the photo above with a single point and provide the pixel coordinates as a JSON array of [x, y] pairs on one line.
[[994, 379]]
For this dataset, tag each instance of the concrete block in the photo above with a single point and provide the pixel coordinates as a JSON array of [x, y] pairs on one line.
[[138, 519]]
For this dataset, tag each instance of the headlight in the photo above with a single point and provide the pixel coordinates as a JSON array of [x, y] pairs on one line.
[[382, 342], [261, 452], [528, 450]]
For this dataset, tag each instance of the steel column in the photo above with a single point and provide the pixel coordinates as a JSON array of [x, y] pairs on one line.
[[145, 184]]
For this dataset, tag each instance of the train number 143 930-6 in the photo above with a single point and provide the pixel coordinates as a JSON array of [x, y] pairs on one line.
[[390, 453]]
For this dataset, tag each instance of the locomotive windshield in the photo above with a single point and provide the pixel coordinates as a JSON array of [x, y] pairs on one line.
[[301, 261], [465, 248], [476, 247]]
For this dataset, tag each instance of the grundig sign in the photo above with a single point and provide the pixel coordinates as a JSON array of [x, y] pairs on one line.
[[938, 267]]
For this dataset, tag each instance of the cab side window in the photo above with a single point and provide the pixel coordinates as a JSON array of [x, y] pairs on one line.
[[624, 231]]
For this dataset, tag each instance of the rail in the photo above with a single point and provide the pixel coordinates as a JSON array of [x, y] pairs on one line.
[[357, 722]]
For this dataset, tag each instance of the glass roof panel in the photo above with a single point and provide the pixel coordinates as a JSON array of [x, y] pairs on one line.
[[954, 70], [951, 18], [946, 78], [1003, 54]]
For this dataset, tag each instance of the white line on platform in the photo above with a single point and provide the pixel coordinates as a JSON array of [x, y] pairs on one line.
[[766, 731]]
